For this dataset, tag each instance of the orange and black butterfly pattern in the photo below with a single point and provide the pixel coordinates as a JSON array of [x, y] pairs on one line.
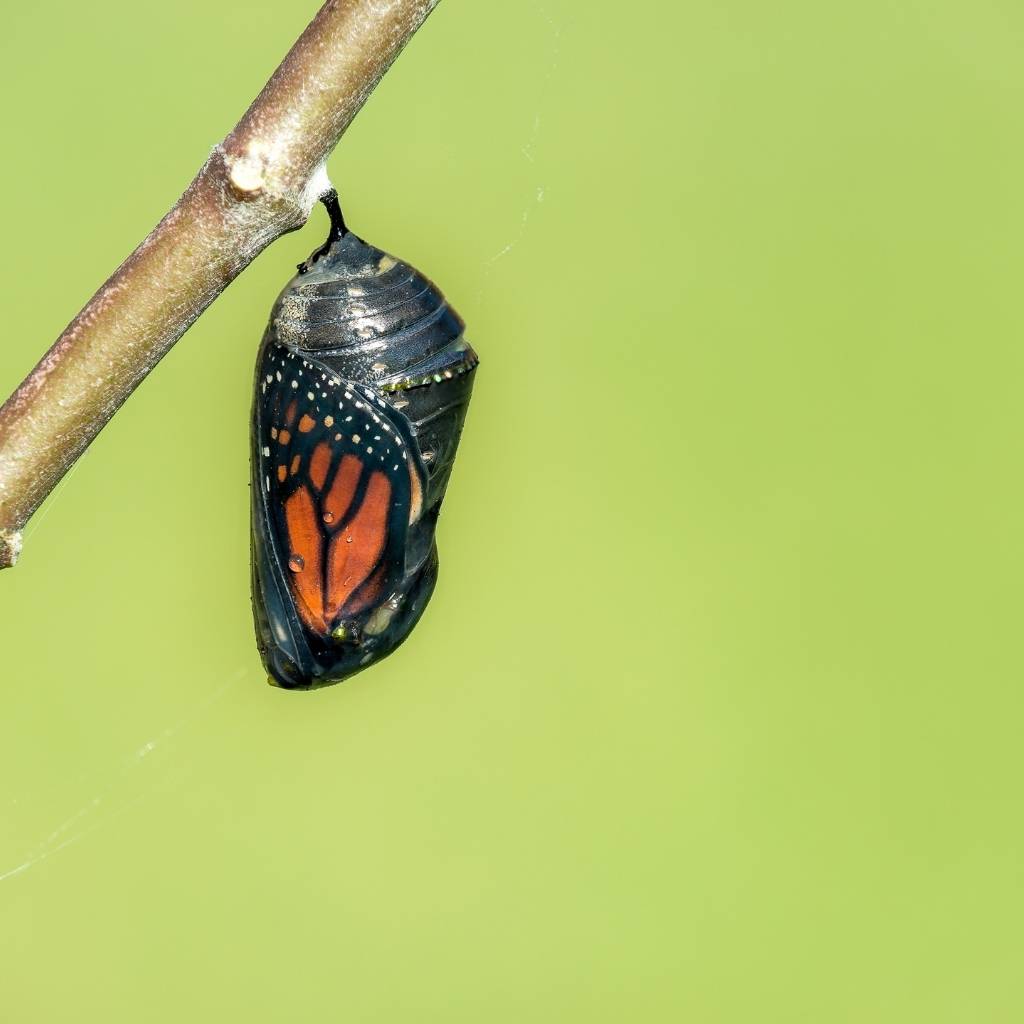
[[362, 385]]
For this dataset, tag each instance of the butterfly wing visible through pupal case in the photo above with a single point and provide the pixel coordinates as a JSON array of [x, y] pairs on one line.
[[341, 483], [345, 497]]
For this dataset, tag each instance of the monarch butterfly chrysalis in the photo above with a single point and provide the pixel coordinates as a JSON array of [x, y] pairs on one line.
[[362, 384]]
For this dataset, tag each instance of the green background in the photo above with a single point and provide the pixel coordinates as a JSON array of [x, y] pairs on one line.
[[716, 713]]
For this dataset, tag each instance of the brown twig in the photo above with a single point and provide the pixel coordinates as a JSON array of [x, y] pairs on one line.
[[259, 183]]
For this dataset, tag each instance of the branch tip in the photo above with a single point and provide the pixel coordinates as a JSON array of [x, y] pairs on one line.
[[10, 548]]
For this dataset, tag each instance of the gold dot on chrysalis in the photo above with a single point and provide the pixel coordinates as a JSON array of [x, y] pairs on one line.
[[296, 563]]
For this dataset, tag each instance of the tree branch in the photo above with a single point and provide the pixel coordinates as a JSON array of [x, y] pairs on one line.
[[259, 183]]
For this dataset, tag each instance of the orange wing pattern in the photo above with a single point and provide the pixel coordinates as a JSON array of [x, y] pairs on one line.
[[343, 484]]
